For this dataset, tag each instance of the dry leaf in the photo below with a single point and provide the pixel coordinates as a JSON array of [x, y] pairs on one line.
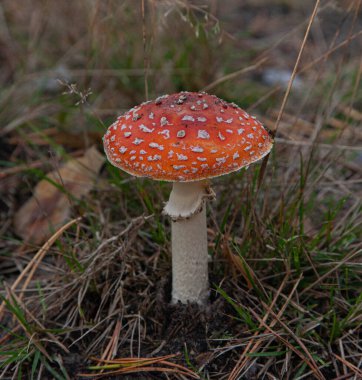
[[49, 207]]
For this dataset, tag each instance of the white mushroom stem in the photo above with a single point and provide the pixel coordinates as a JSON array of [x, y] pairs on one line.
[[187, 209]]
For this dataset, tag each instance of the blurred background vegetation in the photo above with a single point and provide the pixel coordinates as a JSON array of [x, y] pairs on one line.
[[286, 258]]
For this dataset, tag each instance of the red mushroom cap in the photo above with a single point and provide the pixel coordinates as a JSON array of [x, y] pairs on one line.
[[185, 137]]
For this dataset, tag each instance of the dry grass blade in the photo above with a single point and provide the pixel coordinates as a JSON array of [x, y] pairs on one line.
[[234, 75], [325, 275], [235, 261], [319, 145], [32, 337], [31, 115], [135, 361], [350, 112], [19, 168], [141, 369], [308, 360], [36, 260], [290, 83], [30, 315], [145, 56], [348, 364], [131, 365], [244, 358], [9, 335], [111, 348], [301, 344], [284, 102]]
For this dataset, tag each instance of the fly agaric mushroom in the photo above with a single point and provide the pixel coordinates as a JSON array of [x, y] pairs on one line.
[[186, 138]]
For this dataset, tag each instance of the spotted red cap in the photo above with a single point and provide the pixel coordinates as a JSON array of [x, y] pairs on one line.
[[185, 137]]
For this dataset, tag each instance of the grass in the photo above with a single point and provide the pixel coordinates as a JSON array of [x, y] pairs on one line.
[[284, 235]]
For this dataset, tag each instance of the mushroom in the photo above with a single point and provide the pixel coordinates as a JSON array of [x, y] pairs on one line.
[[186, 138]]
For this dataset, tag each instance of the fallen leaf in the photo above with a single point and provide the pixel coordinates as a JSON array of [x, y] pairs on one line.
[[50, 205]]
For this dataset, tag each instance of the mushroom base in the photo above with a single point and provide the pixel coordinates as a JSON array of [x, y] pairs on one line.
[[190, 259]]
